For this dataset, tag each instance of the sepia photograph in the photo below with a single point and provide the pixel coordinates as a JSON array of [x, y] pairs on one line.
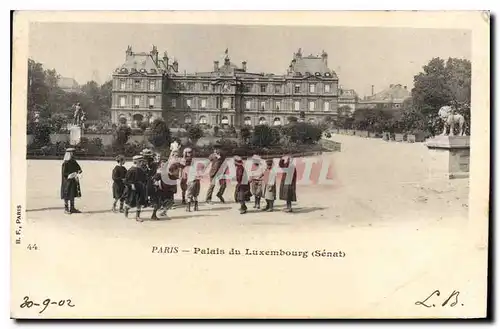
[[250, 165]]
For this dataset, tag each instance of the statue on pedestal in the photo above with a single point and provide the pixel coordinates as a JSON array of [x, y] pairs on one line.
[[450, 118], [79, 116]]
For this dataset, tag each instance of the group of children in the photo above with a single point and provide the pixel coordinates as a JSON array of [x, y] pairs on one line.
[[152, 182]]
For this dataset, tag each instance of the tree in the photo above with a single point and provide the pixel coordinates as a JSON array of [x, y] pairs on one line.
[[344, 117], [304, 133], [441, 83], [292, 119], [245, 134], [195, 133], [159, 134], [121, 136], [264, 136]]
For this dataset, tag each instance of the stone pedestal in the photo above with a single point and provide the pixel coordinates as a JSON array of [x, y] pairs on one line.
[[450, 156], [75, 135]]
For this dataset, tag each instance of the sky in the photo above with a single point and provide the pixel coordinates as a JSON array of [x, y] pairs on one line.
[[360, 56]]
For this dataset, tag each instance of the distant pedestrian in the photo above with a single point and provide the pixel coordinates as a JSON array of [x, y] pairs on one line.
[[216, 164], [70, 184], [242, 184], [118, 176], [256, 176], [136, 180], [288, 182], [269, 186], [191, 176]]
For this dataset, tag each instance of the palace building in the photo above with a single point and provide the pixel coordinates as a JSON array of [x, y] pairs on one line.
[[147, 87]]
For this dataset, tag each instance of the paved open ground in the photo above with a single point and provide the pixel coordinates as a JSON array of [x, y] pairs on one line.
[[384, 210]]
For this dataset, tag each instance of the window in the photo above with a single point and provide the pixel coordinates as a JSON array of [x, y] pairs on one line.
[[246, 88], [248, 105], [297, 106], [188, 103], [203, 103], [262, 121], [122, 101], [225, 103], [137, 84], [312, 87], [327, 88], [187, 119], [225, 121], [397, 105], [122, 84], [263, 88], [262, 105], [205, 87], [278, 105], [277, 122], [297, 88], [326, 106], [190, 86], [151, 101], [152, 85], [277, 89], [137, 101], [248, 121], [174, 102], [203, 120], [311, 106]]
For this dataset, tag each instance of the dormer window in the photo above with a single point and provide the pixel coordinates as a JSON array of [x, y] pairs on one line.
[[143, 70], [317, 74], [133, 70], [123, 70], [327, 74], [153, 71]]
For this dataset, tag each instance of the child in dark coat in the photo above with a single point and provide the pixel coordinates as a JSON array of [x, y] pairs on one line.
[[288, 182], [118, 176]]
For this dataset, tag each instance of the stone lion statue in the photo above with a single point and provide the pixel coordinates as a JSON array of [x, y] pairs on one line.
[[450, 119]]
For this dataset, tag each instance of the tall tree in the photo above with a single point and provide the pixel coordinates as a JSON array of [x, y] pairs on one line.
[[441, 83]]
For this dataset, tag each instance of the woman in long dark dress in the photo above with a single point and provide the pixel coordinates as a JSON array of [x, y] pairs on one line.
[[118, 177], [288, 182], [70, 185], [135, 181]]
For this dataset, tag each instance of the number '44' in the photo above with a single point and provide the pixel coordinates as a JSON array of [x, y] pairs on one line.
[[32, 247]]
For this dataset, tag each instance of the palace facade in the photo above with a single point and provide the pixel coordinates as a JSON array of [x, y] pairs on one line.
[[146, 87]]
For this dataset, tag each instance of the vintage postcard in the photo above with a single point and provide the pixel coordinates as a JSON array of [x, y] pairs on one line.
[[250, 165]]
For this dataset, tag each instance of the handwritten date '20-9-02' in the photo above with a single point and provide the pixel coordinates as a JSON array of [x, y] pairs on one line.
[[27, 303]]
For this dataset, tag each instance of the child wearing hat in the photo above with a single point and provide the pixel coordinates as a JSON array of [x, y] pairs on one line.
[[191, 177], [187, 158], [70, 184], [136, 180], [288, 182], [256, 180], [269, 186], [242, 185], [168, 186], [118, 176]]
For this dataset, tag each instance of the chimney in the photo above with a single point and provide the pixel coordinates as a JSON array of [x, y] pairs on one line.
[[405, 87], [244, 66], [373, 90], [128, 52], [165, 58], [324, 57], [175, 66], [216, 66], [154, 54]]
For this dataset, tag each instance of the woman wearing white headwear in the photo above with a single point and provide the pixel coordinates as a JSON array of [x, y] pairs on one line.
[[70, 185]]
